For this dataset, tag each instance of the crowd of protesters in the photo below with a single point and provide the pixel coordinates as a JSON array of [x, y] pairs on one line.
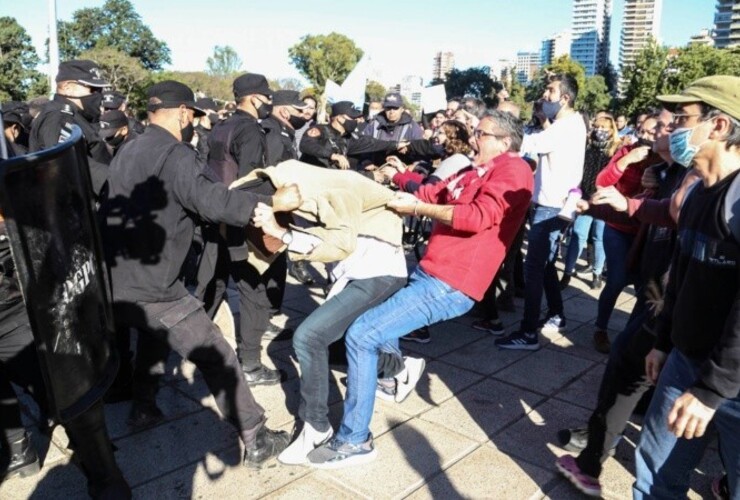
[[256, 189]]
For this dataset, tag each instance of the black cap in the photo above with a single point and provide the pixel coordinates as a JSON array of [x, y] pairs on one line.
[[206, 103], [288, 98], [172, 94], [113, 100], [393, 100], [16, 112], [111, 121], [251, 83], [345, 108], [82, 71]]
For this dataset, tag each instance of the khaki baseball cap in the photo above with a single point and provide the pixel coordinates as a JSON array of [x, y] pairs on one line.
[[720, 91]]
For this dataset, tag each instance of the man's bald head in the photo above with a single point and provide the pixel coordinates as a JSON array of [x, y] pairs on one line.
[[509, 107]]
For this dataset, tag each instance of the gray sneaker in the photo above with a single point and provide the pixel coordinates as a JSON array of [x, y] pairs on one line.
[[337, 454]]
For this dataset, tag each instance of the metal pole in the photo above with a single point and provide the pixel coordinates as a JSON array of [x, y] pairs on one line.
[[53, 45], [3, 145]]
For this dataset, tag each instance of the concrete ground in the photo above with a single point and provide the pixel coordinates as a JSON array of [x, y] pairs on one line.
[[481, 424]]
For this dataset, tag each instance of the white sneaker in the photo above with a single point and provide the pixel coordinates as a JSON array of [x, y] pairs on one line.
[[308, 440], [409, 377], [553, 324]]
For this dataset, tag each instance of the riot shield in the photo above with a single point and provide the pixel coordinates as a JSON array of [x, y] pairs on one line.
[[50, 218]]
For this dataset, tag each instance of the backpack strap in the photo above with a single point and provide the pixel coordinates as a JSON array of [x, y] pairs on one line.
[[731, 211]]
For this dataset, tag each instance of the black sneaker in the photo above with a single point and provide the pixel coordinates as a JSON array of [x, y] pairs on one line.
[[337, 454], [519, 340], [274, 331], [24, 461], [299, 270], [496, 327], [144, 415], [597, 283], [420, 336], [267, 444], [262, 376], [565, 281]]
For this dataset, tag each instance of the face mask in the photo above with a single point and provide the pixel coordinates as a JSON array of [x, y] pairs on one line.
[[187, 132], [91, 106], [349, 126], [682, 151], [645, 142], [551, 109], [213, 118], [600, 137], [264, 110], [115, 141], [297, 121]]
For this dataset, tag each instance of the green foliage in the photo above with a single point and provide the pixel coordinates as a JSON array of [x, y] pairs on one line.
[[643, 78], [517, 95], [594, 96], [218, 88], [471, 82], [561, 65], [123, 72], [374, 91], [325, 57], [697, 61], [116, 24], [18, 59], [224, 62]]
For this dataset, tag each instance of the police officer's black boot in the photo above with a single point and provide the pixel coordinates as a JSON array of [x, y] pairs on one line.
[[24, 461], [261, 444], [299, 271]]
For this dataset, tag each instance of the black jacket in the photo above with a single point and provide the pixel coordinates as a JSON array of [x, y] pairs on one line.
[[157, 191], [48, 126], [320, 142], [246, 145], [280, 141]]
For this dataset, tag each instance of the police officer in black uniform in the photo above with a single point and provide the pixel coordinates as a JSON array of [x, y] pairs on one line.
[[288, 115], [77, 101], [237, 146], [14, 128], [114, 130], [338, 145], [204, 124], [115, 101], [157, 190]]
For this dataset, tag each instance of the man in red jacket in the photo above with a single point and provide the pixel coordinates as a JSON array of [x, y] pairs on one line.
[[477, 214]]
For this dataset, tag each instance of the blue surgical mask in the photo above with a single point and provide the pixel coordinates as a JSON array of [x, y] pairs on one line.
[[682, 151], [551, 109]]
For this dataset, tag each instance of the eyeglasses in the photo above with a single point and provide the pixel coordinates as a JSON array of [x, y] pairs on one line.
[[478, 133], [683, 118]]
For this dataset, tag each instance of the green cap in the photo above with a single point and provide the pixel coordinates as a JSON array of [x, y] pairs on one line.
[[720, 91]]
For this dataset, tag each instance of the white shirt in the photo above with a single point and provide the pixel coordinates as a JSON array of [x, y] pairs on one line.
[[561, 149]]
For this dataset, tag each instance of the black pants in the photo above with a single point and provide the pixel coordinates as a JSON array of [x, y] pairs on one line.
[[622, 386], [185, 327], [260, 296]]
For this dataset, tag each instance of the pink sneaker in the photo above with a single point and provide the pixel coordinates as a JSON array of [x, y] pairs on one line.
[[586, 484]]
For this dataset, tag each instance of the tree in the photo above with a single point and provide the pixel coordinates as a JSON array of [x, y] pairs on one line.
[[594, 96], [643, 78], [124, 72], [610, 78], [18, 60], [517, 96], [224, 62], [561, 65], [697, 61], [325, 57], [290, 84], [116, 24], [374, 91], [471, 82]]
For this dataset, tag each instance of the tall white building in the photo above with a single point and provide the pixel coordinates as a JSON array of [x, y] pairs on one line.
[[527, 64], [641, 22], [554, 47], [501, 70], [727, 24], [411, 86], [590, 31], [443, 64], [703, 38]]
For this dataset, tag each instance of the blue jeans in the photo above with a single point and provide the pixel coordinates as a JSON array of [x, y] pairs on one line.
[[663, 462], [581, 228], [539, 266], [424, 301], [617, 245]]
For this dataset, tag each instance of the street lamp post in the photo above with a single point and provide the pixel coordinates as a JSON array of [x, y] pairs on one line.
[[53, 45]]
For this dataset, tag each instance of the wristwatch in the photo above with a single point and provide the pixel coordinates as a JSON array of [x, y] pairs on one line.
[[287, 237]]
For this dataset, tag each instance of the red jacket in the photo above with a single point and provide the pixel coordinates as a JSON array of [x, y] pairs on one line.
[[490, 204]]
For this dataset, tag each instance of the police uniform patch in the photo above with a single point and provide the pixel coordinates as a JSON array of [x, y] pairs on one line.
[[313, 132]]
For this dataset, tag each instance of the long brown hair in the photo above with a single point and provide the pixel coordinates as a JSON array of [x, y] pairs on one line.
[[458, 139]]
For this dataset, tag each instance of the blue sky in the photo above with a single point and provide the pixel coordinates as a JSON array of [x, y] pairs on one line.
[[401, 37]]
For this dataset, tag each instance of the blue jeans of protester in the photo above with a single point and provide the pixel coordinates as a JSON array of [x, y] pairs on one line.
[[581, 229], [424, 301], [617, 245], [663, 462], [326, 325], [539, 266]]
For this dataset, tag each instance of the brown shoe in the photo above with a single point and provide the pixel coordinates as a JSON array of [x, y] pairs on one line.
[[601, 342]]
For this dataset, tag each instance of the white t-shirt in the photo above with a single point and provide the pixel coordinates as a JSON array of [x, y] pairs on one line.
[[561, 150]]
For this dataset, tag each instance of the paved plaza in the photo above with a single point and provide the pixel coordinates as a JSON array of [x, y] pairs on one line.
[[481, 424]]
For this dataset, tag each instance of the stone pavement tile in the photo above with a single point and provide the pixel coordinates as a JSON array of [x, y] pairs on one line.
[[579, 342], [168, 447], [583, 391], [446, 337], [439, 383], [483, 409], [171, 401], [545, 371], [487, 473], [581, 308], [313, 487], [407, 457], [534, 437], [483, 356], [60, 480]]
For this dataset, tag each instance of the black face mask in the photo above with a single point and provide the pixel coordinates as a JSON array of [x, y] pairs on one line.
[[115, 140], [91, 106], [264, 110], [187, 132], [645, 142], [349, 126], [297, 121], [213, 118]]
